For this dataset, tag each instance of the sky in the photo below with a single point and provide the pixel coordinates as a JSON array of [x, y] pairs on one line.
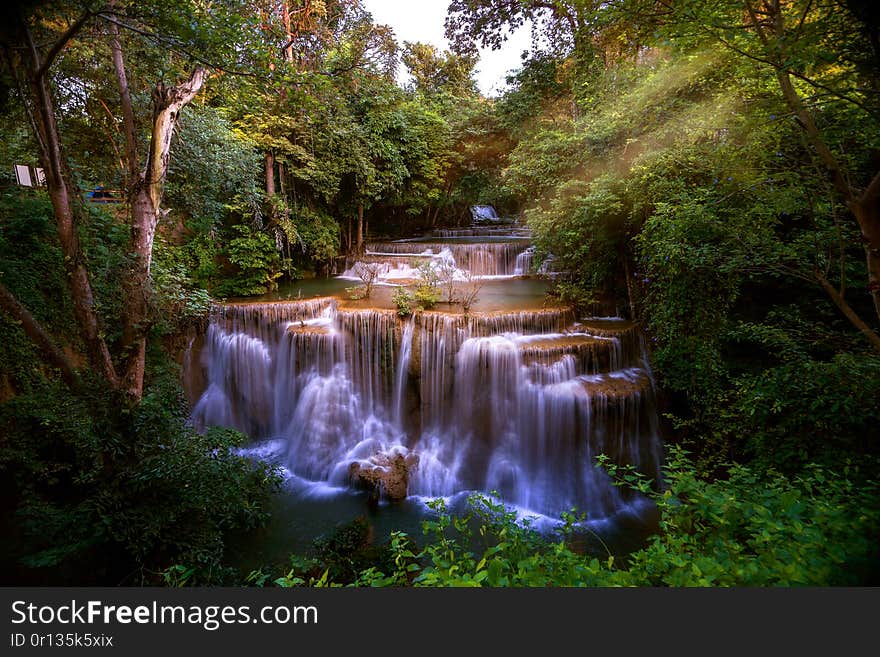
[[422, 20]]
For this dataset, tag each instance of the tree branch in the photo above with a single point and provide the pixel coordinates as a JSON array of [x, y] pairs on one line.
[[62, 41], [871, 194], [50, 352], [757, 25], [850, 314], [176, 47], [800, 76], [167, 103], [131, 150]]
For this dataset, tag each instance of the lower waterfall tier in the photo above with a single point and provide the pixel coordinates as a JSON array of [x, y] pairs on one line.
[[520, 403]]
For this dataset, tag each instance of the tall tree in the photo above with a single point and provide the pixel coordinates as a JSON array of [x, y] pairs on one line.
[[34, 40], [821, 52]]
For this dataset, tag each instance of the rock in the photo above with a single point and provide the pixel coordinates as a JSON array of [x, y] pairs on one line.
[[386, 472]]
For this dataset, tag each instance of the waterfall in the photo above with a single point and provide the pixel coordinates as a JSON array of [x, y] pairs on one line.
[[515, 401], [518, 402], [482, 213], [484, 231], [398, 260], [402, 374], [524, 262]]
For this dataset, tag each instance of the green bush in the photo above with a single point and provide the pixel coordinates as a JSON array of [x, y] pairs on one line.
[[428, 292], [257, 262], [809, 410], [180, 302], [752, 528], [426, 296], [99, 494], [403, 299]]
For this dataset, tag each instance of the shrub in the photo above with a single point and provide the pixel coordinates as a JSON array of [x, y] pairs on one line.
[[257, 263], [753, 528], [101, 494], [404, 301]]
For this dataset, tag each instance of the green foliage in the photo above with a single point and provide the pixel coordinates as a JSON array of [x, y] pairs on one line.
[[213, 171], [426, 297], [575, 295], [679, 187], [750, 528], [428, 292], [180, 302], [99, 491], [30, 260], [653, 156], [757, 528], [404, 301], [809, 411], [318, 234], [348, 550], [96, 491], [335, 559], [356, 293], [31, 268], [256, 261], [434, 73]]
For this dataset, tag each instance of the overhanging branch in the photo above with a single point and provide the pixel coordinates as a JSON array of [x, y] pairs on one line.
[[50, 352]]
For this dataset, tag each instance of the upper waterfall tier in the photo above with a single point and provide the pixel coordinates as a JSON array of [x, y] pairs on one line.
[[484, 231], [479, 259]]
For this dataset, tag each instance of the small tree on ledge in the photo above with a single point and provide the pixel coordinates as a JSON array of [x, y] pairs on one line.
[[368, 273], [470, 290]]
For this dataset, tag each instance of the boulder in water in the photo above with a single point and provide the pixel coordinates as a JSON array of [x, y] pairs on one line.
[[386, 472]]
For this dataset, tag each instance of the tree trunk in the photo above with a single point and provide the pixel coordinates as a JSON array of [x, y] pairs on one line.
[[360, 229], [144, 194], [864, 206], [128, 123], [867, 212], [58, 182], [285, 18], [145, 213], [270, 173], [50, 352]]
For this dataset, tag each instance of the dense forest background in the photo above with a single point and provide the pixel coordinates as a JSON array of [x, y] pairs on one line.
[[709, 169]]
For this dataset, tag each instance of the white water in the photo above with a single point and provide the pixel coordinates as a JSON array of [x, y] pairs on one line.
[[398, 261], [515, 402], [403, 371], [505, 401]]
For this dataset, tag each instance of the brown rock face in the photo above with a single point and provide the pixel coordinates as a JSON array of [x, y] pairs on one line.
[[386, 472]]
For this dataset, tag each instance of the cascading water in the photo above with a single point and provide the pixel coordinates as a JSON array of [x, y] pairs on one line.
[[526, 412], [516, 402], [524, 262], [399, 260], [402, 373]]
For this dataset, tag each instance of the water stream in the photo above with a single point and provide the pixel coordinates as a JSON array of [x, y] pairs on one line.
[[514, 398]]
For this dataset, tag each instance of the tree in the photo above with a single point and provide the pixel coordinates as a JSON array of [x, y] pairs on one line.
[[798, 41], [434, 72], [590, 31], [34, 41], [822, 55]]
